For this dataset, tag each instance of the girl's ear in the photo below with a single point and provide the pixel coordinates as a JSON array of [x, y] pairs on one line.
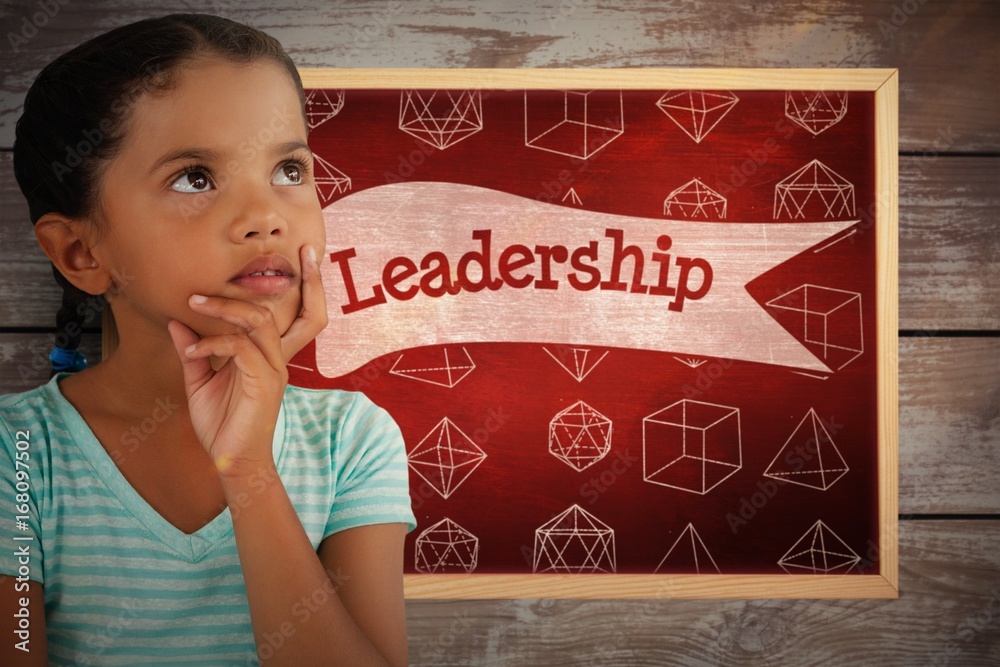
[[67, 245]]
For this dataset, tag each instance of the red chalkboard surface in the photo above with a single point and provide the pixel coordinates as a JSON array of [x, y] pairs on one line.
[[630, 328]]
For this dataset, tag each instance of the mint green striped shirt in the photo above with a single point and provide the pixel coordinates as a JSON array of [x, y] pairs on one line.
[[123, 586]]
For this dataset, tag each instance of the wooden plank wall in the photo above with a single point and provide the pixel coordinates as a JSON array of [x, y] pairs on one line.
[[947, 52]]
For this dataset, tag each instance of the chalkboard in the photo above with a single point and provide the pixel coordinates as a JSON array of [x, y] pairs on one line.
[[638, 327]]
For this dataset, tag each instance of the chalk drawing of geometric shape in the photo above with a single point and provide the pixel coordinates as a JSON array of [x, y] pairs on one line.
[[577, 361], [816, 110], [696, 112], [436, 367], [694, 199], [329, 180], [814, 191], [572, 197], [579, 436], [819, 551], [574, 541], [441, 118], [831, 324], [576, 124], [824, 466], [692, 362], [688, 555], [445, 457], [692, 446], [446, 547], [322, 105]]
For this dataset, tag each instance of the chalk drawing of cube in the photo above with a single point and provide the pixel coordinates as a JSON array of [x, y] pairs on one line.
[[574, 123], [692, 446], [830, 323]]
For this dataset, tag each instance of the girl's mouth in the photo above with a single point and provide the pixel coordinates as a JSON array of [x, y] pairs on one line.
[[268, 274], [265, 282]]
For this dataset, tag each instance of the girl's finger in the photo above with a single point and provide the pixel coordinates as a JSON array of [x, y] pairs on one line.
[[245, 353], [313, 317], [256, 320], [197, 370]]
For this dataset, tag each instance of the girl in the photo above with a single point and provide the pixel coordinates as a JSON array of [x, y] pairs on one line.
[[179, 503]]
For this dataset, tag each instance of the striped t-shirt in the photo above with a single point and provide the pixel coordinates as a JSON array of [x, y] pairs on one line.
[[123, 586]]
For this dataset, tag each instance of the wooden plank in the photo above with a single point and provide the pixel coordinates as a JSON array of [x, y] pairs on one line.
[[949, 243], [948, 613], [949, 247], [949, 419], [24, 359], [948, 90], [949, 425]]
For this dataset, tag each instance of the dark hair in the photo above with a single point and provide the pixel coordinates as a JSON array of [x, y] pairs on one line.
[[77, 114]]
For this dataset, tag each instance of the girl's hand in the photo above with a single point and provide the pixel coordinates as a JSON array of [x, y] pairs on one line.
[[234, 409]]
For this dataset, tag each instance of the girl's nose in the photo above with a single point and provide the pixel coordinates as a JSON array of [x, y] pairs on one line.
[[256, 216]]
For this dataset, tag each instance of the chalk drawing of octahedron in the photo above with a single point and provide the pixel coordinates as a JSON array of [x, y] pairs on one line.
[[446, 457], [697, 112], [814, 191], [441, 118], [816, 110], [811, 444], [579, 436], [692, 446], [574, 541], [574, 123], [329, 180], [819, 551], [435, 366], [688, 555], [694, 199], [446, 547], [831, 324], [322, 105]]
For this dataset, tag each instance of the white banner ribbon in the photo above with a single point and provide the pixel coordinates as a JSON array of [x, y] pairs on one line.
[[427, 263]]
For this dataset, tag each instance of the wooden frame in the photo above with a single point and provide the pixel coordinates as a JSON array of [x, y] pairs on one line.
[[884, 84]]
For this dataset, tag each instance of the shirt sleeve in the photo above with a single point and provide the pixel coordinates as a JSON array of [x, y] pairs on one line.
[[20, 486], [371, 475]]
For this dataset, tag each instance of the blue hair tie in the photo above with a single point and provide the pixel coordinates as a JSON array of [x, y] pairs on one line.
[[67, 360]]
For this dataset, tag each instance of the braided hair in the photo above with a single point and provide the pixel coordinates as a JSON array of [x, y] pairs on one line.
[[76, 116]]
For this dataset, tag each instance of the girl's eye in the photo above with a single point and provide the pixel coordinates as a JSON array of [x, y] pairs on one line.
[[192, 181], [290, 173]]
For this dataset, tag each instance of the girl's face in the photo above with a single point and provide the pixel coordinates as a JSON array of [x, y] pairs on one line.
[[214, 173]]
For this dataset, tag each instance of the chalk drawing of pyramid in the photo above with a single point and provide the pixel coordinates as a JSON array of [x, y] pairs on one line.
[[819, 551], [688, 555], [809, 456]]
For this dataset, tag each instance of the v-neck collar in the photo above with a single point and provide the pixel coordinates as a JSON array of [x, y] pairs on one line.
[[192, 547]]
